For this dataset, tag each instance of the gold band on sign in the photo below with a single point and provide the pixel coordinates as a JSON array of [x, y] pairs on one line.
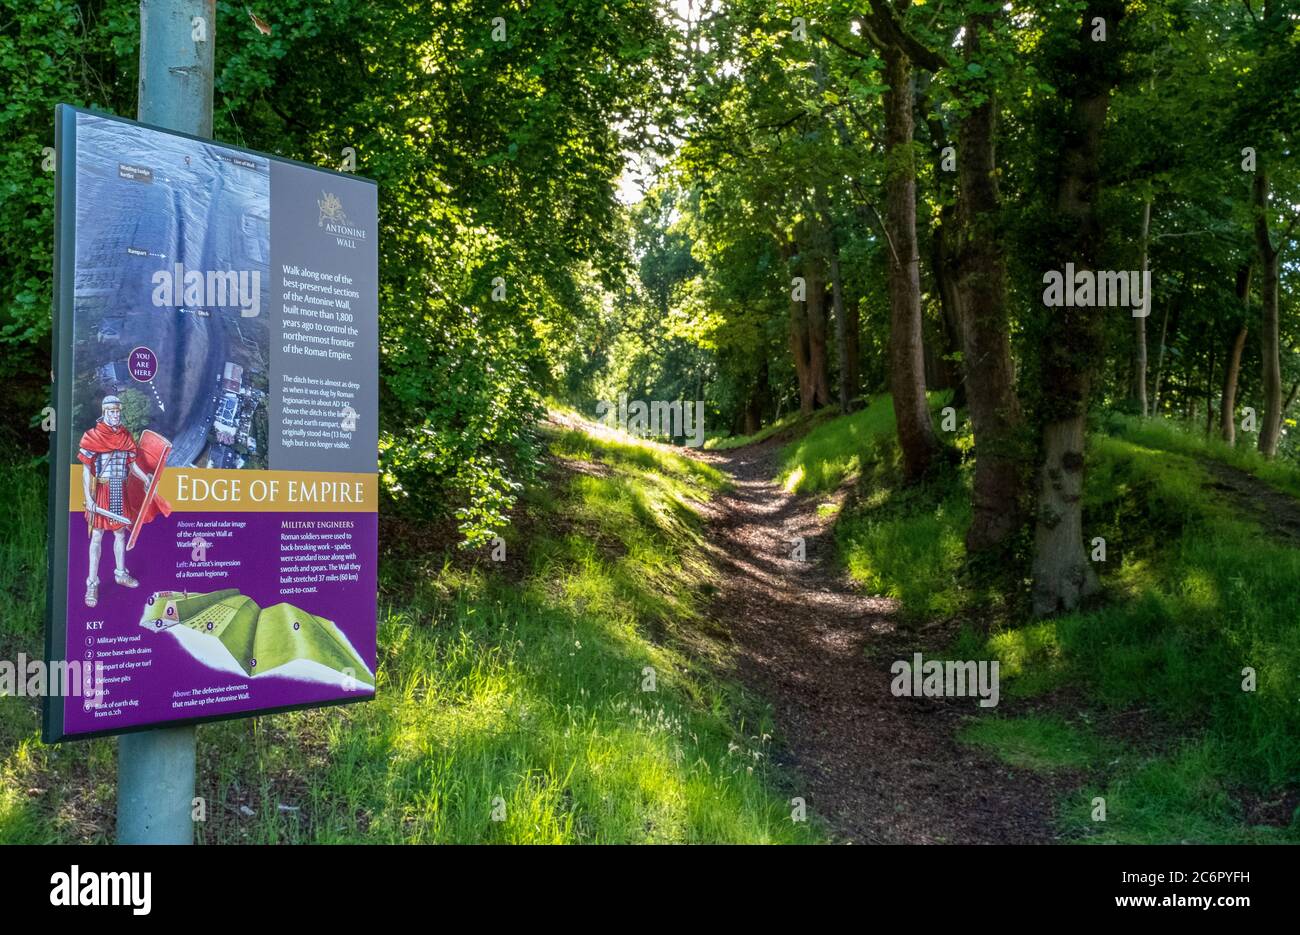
[[192, 490]]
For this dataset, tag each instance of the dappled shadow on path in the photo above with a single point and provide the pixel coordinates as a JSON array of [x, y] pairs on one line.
[[876, 768]]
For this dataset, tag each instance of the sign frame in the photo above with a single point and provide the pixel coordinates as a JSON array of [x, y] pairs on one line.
[[62, 439]]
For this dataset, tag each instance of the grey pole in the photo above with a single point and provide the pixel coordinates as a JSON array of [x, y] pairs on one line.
[[155, 786], [155, 768], [177, 38]]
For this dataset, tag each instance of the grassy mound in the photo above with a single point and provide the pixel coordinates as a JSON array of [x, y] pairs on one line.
[[1200, 601], [514, 699], [838, 448]]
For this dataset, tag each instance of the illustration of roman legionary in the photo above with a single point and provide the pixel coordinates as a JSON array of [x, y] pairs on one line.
[[119, 484]]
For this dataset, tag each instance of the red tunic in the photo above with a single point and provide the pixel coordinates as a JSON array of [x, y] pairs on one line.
[[102, 438]]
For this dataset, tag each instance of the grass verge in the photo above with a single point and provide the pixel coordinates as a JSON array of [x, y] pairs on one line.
[[514, 700], [1195, 641]]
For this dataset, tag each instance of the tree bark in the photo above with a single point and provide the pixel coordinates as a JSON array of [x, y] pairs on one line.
[[981, 305], [799, 347], [818, 361], [1140, 322], [1270, 428], [943, 266], [943, 262], [1160, 357], [1062, 572], [931, 355], [848, 387], [1209, 389], [916, 434], [1228, 404], [759, 398]]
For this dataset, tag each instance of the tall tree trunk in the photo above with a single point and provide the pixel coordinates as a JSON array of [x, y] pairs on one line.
[[848, 383], [1270, 429], [1209, 389], [759, 398], [931, 355], [829, 241], [799, 348], [1062, 572], [943, 261], [1140, 322], [1228, 404], [1160, 357], [943, 265], [818, 361], [981, 306], [916, 434]]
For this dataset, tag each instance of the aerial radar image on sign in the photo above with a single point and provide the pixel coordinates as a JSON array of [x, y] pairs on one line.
[[228, 631], [171, 290]]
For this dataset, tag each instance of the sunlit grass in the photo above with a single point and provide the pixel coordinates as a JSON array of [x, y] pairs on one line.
[[833, 451], [1169, 435], [724, 443], [901, 542], [916, 560], [1184, 797], [829, 508], [615, 447], [1042, 743], [512, 706], [839, 447], [1197, 597]]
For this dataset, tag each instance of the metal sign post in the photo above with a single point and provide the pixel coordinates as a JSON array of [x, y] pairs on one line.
[[155, 768]]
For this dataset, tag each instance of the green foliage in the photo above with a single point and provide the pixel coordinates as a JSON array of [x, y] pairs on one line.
[[78, 53], [917, 560], [1185, 797], [646, 349], [494, 159], [900, 541], [837, 449], [1197, 595], [523, 685], [498, 162], [1044, 743], [1167, 435], [728, 442], [22, 556], [135, 410]]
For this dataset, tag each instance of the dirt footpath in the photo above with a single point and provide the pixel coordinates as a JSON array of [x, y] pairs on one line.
[[875, 768]]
